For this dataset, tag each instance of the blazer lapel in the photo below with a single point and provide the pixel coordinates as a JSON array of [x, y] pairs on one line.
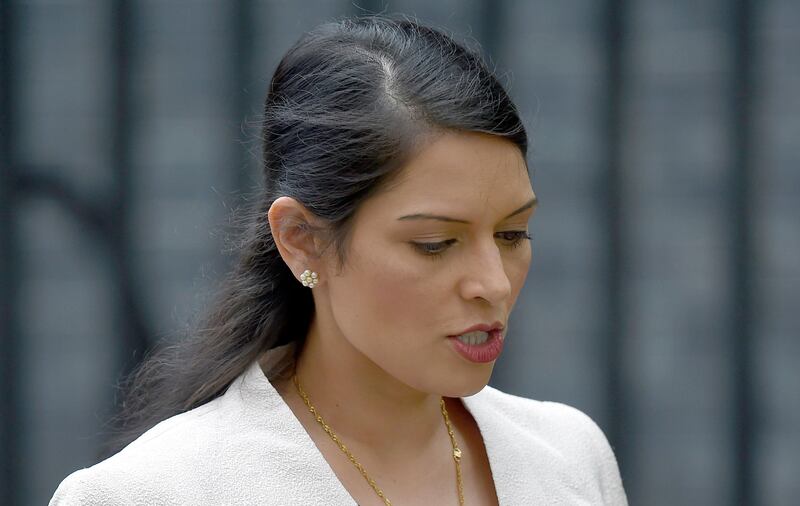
[[526, 469]]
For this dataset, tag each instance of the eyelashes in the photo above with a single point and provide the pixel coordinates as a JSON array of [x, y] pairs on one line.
[[511, 240], [433, 249]]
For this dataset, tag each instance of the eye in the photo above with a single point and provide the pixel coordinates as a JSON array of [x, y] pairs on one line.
[[514, 238], [433, 249]]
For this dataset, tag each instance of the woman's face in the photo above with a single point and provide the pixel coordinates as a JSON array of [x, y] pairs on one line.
[[411, 280]]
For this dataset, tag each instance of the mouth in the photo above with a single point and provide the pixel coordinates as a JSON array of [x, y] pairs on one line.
[[481, 329], [479, 346]]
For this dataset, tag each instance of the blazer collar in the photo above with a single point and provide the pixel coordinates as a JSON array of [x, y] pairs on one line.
[[505, 457]]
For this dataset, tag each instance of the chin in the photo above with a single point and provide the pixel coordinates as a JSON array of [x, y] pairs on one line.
[[467, 386]]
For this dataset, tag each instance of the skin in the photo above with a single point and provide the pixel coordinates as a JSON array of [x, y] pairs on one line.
[[378, 358]]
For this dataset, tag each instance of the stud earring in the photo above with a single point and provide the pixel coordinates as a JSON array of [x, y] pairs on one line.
[[309, 278]]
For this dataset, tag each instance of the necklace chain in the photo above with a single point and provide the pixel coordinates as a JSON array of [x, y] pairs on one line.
[[357, 464]]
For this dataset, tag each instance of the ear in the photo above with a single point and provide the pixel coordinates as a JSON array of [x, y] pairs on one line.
[[293, 226]]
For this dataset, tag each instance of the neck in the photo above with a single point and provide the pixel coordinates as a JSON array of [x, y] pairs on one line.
[[362, 403]]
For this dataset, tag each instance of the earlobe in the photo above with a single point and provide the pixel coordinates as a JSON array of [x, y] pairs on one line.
[[292, 231]]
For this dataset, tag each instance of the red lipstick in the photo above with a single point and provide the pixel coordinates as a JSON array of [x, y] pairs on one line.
[[483, 352]]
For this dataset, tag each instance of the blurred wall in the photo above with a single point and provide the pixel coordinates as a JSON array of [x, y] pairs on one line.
[[663, 294]]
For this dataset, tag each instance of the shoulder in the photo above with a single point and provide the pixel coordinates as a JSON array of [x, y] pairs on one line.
[[81, 487], [239, 448], [567, 437], [160, 466]]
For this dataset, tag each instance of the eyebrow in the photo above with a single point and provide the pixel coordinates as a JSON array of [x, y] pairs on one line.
[[425, 216]]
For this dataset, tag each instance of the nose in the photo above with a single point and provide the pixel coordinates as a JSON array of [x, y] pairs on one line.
[[486, 277]]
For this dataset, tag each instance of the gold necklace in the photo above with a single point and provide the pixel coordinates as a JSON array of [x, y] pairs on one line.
[[386, 501]]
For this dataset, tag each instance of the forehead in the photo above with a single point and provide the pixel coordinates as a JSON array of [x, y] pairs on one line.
[[460, 171]]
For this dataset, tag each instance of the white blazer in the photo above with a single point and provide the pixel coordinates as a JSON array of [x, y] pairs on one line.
[[247, 447]]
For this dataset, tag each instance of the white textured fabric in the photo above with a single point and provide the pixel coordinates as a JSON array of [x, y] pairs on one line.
[[247, 447]]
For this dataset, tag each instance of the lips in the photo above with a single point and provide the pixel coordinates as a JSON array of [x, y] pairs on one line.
[[484, 352], [483, 327]]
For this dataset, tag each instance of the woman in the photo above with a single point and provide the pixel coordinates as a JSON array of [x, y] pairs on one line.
[[348, 356]]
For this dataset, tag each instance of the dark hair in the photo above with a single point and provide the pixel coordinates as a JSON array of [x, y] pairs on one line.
[[345, 107]]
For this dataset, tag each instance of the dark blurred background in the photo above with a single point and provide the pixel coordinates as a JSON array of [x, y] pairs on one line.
[[663, 296]]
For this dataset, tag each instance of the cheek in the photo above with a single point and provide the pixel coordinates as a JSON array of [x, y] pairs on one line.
[[517, 270], [404, 296], [385, 294]]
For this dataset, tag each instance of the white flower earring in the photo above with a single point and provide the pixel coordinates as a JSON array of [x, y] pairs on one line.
[[309, 278]]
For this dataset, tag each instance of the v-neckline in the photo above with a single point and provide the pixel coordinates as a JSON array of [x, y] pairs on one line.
[[470, 404]]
